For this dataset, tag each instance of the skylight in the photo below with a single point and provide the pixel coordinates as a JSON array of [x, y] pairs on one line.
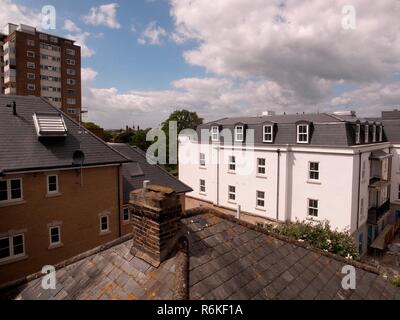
[[50, 125]]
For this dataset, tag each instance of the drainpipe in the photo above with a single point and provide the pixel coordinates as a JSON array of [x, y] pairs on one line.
[[278, 152], [119, 202], [359, 188], [217, 176]]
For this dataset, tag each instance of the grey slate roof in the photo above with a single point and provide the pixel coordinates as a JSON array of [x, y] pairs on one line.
[[227, 261], [391, 124], [326, 129], [22, 150], [139, 170]]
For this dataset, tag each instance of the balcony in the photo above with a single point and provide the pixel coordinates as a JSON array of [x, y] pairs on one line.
[[375, 214], [380, 165]]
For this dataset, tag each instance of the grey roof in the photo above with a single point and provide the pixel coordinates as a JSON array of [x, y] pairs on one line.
[[227, 261], [284, 118], [391, 124], [135, 173], [21, 149], [326, 129]]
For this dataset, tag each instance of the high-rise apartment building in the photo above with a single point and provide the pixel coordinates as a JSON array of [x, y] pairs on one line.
[[40, 64]]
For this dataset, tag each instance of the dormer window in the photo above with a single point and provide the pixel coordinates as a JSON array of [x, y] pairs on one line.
[[303, 132], [374, 133], [214, 133], [380, 133], [358, 134], [239, 133], [268, 133], [366, 133]]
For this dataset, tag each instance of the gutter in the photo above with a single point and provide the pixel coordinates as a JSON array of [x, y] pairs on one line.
[[359, 189], [61, 168], [119, 201]]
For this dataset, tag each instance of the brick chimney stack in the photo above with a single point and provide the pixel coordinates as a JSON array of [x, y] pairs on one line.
[[155, 212]]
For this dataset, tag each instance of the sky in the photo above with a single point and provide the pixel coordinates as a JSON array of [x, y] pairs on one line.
[[143, 59]]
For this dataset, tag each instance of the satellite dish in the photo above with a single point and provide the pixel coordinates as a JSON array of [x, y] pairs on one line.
[[78, 157]]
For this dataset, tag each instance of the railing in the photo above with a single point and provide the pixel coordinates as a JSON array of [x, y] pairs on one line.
[[375, 213]]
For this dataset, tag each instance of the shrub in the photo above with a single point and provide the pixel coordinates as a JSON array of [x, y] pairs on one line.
[[318, 235], [395, 281]]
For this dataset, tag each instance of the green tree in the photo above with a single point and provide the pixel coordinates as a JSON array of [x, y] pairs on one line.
[[91, 125], [138, 139], [185, 120]]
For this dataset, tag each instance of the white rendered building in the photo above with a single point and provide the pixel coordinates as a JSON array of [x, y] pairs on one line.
[[333, 167]]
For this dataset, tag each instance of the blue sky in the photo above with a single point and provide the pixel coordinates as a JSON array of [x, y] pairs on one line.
[[144, 59], [128, 63]]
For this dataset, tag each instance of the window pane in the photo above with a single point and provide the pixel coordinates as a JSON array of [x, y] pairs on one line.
[[18, 244], [15, 194], [4, 248], [3, 190]]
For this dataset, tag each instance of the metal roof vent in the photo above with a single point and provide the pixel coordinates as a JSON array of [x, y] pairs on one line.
[[50, 125]]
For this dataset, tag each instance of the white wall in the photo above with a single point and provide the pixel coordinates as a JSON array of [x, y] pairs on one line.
[[336, 190], [394, 194]]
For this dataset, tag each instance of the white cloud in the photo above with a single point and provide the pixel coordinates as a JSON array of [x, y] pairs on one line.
[[17, 14], [70, 26], [371, 99], [300, 45], [88, 76], [103, 15], [152, 34], [81, 39]]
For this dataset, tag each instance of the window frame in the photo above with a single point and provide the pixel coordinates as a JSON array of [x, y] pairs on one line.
[[237, 133], [31, 86], [374, 133], [366, 133], [30, 65], [101, 223], [306, 134], [30, 42], [214, 135], [314, 171], [59, 242], [358, 133], [123, 214], [258, 198], [30, 54], [30, 76], [9, 191], [202, 186], [12, 254], [311, 208], [232, 163], [48, 184], [71, 101], [270, 126], [230, 192], [261, 166], [202, 159], [70, 52]]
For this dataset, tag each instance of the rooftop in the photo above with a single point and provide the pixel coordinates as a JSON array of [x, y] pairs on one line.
[[228, 260], [22, 149], [140, 170]]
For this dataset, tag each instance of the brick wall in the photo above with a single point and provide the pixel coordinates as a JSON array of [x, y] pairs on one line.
[[77, 207]]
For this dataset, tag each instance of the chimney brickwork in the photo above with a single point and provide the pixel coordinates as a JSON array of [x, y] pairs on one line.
[[155, 214]]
